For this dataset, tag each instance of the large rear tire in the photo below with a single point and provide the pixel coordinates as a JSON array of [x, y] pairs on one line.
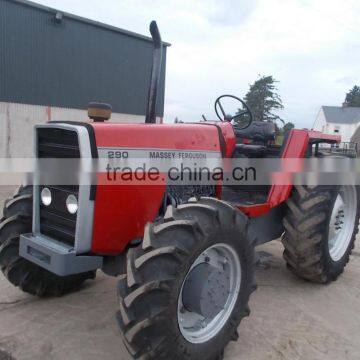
[[152, 292], [320, 230], [30, 278]]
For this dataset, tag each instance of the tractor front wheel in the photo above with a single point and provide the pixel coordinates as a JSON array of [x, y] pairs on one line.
[[29, 277], [188, 284]]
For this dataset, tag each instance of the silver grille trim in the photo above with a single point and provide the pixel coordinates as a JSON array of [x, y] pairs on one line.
[[85, 215]]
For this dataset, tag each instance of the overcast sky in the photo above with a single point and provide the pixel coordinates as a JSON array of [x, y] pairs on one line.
[[312, 47]]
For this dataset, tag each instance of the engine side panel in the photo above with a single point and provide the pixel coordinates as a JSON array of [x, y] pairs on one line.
[[121, 212]]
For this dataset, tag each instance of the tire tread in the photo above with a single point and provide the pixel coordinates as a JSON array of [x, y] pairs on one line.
[[305, 237], [142, 294]]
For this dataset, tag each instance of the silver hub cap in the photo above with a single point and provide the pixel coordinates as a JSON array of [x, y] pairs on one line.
[[342, 221], [209, 293]]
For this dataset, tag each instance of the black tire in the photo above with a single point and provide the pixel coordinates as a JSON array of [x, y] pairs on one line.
[[306, 223], [148, 293], [30, 278]]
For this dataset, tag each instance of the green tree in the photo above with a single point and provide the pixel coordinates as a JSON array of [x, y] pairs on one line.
[[288, 126], [353, 97], [280, 132], [263, 99]]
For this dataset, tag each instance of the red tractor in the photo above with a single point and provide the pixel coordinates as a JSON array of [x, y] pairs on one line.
[[184, 255]]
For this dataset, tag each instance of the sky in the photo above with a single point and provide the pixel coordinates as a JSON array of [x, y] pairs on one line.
[[312, 47]]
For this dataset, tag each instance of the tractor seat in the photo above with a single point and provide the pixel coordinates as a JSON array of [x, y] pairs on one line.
[[259, 131], [249, 151]]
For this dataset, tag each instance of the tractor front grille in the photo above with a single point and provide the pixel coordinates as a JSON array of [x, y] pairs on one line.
[[55, 220], [57, 143]]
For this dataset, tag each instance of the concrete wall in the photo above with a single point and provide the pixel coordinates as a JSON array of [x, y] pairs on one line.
[[17, 122]]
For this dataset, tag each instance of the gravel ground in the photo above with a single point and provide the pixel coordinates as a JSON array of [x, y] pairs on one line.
[[291, 319]]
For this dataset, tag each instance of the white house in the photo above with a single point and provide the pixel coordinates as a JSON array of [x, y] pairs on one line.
[[338, 120]]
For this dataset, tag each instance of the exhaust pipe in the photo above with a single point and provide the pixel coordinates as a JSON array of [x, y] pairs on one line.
[[155, 74]]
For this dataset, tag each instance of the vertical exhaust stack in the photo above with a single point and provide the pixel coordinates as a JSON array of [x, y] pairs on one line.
[[155, 74]]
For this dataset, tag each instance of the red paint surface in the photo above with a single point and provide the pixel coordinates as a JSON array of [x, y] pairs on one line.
[[295, 148], [159, 136], [121, 212], [229, 137], [317, 135]]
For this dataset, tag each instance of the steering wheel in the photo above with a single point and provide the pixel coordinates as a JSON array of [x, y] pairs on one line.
[[246, 111]]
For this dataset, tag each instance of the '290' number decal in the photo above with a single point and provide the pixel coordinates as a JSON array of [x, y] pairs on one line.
[[118, 155]]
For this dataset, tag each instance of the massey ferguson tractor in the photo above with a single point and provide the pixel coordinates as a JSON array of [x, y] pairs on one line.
[[184, 255]]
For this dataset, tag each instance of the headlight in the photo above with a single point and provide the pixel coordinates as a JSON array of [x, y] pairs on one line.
[[72, 204], [46, 196]]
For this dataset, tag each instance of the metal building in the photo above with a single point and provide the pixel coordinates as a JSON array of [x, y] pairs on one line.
[[53, 63]]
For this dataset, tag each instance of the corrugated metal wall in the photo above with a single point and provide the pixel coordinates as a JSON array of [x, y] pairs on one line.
[[71, 63]]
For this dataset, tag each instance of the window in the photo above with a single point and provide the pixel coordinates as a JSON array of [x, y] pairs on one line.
[[337, 129]]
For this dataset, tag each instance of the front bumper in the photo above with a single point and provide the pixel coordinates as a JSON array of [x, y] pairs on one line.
[[56, 257]]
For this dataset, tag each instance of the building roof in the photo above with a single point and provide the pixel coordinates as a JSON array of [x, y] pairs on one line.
[[341, 114], [85, 20]]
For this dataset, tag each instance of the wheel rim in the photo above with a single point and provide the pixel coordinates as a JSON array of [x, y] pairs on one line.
[[225, 264], [342, 221]]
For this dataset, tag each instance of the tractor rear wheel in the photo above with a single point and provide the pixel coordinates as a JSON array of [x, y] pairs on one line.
[[188, 284], [30, 278], [320, 230]]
